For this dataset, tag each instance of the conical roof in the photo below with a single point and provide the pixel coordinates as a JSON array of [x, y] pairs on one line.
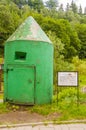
[[29, 30]]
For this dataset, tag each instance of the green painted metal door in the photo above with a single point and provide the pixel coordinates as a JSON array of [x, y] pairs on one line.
[[21, 84]]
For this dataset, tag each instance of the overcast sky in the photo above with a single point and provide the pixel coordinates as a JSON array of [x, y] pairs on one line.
[[78, 2]]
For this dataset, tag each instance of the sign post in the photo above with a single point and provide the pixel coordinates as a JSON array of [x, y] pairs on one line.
[[1, 71], [68, 79], [0, 76]]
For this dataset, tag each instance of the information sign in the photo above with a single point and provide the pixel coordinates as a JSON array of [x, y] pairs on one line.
[[68, 79]]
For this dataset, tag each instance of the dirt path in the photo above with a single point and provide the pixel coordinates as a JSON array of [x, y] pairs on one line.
[[25, 117]]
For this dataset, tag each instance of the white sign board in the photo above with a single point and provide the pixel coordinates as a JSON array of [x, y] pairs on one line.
[[68, 79]]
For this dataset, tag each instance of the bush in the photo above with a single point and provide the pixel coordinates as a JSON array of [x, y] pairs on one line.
[[80, 65]]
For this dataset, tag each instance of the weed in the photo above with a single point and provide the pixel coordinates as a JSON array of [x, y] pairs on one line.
[[3, 108], [66, 107], [33, 125], [45, 123], [1, 95]]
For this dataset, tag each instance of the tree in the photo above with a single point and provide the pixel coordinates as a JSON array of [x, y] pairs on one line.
[[30, 3], [20, 3], [74, 7], [81, 30], [80, 10], [51, 13], [36, 4], [52, 4], [65, 32], [67, 7], [70, 16], [6, 21], [9, 19], [85, 10], [6, 24], [61, 7], [61, 13]]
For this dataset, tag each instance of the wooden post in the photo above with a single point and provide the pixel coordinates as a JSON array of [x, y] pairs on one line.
[[0, 78]]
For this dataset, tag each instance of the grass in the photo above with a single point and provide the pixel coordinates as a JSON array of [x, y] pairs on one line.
[[67, 104], [1, 60], [66, 107], [3, 108], [67, 111], [1, 95], [82, 80]]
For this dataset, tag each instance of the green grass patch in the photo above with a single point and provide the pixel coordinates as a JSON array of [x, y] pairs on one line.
[[82, 80], [66, 107], [1, 95], [3, 108], [45, 109], [67, 111], [1, 60], [67, 104]]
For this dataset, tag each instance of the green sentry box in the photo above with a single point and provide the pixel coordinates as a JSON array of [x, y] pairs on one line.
[[28, 66]]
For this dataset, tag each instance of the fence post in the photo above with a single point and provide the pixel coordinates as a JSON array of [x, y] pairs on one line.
[[0, 78]]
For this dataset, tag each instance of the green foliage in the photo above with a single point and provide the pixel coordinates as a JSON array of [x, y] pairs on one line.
[[52, 4], [1, 96], [9, 20], [74, 7], [20, 2], [56, 21], [40, 109], [7, 23], [82, 80], [12, 107], [71, 112], [80, 65], [3, 108], [81, 30], [36, 4], [51, 13], [68, 95], [80, 10], [64, 31]]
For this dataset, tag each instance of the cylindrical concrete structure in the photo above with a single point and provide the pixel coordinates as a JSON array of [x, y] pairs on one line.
[[28, 66]]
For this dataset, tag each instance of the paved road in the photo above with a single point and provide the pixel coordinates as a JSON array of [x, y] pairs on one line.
[[50, 127]]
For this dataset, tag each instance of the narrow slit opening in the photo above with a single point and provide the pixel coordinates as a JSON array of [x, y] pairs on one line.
[[20, 55]]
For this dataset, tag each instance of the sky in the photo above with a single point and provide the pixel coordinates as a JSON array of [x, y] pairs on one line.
[[78, 2]]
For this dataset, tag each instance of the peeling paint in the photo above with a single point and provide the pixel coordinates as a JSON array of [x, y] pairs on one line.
[[29, 30]]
